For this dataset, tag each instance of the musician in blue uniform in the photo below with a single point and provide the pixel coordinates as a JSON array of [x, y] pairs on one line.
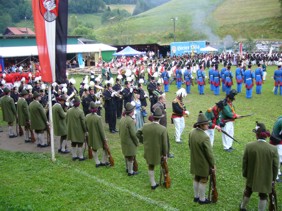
[[165, 77], [211, 77], [239, 78], [201, 80], [228, 80], [249, 81], [222, 76], [258, 78], [188, 79], [278, 80], [216, 80], [178, 74]]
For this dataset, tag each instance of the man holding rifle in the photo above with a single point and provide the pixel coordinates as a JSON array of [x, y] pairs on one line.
[[23, 114], [96, 135], [9, 111], [154, 137], [201, 158], [228, 116], [260, 168], [38, 119], [276, 139], [60, 123]]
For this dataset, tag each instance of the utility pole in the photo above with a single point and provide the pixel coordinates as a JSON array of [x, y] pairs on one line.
[[174, 19]]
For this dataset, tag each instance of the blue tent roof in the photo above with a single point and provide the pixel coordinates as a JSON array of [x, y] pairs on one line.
[[128, 51]]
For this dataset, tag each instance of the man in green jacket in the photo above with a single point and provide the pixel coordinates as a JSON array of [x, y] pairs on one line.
[[38, 119], [23, 114], [96, 135], [76, 130], [9, 111], [260, 167], [60, 124], [154, 137], [128, 138], [201, 158]]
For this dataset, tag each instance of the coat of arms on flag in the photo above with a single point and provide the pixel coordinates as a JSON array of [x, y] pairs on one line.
[[49, 10]]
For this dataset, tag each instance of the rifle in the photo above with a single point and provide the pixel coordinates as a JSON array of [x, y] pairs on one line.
[[20, 130], [213, 195], [273, 199], [164, 171], [48, 135], [32, 137], [111, 160], [243, 116], [224, 132], [135, 164], [17, 124], [90, 153]]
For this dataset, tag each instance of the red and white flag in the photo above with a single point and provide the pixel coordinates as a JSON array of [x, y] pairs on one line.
[[51, 24]]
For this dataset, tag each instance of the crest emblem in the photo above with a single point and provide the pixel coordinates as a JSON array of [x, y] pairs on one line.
[[48, 9]]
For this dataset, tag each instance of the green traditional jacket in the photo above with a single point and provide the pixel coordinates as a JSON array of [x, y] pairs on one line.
[[76, 125], [128, 138], [154, 137], [201, 154], [96, 134], [23, 112], [37, 116], [59, 120], [260, 166], [8, 109]]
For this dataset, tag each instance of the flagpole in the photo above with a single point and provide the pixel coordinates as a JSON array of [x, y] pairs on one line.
[[51, 123]]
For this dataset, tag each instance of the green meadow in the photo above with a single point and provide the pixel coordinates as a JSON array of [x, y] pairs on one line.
[[31, 181]]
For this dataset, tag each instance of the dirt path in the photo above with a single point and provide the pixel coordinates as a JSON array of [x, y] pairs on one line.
[[18, 145]]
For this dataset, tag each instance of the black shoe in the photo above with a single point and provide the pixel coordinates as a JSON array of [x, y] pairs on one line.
[[113, 131], [154, 187], [27, 141], [59, 150], [13, 136], [82, 159], [170, 156], [196, 199], [44, 145], [65, 152], [132, 174], [228, 150], [242, 209], [98, 165], [231, 148], [179, 142], [278, 180], [105, 164], [116, 130], [75, 158], [204, 202]]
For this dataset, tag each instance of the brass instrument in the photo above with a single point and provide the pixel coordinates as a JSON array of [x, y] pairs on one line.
[[70, 97]]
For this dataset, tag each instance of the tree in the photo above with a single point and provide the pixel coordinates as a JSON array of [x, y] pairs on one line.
[[5, 20]]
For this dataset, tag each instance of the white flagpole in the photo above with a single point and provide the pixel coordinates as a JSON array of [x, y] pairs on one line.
[[51, 123]]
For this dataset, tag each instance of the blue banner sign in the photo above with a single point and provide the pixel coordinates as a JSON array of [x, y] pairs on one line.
[[180, 48]]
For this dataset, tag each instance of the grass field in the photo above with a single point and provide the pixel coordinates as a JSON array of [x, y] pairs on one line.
[[30, 181]]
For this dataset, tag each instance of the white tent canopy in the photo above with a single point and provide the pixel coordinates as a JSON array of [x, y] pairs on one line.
[[208, 49], [6, 52]]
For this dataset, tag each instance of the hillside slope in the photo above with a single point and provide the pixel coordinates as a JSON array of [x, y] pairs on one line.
[[202, 19]]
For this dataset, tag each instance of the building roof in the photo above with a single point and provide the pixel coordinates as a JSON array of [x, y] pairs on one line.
[[18, 31], [6, 52]]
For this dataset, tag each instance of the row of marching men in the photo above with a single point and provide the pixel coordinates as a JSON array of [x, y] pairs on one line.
[[216, 78]]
